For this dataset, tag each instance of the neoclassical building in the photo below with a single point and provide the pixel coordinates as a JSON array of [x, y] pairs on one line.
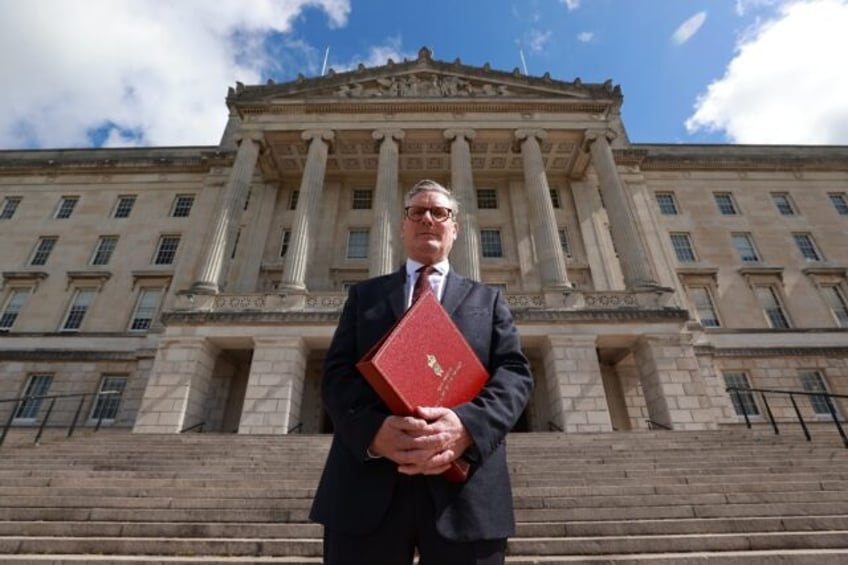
[[203, 284]]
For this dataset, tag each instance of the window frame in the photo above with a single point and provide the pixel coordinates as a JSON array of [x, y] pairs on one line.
[[111, 402], [361, 246], [294, 197], [487, 199], [8, 317], [40, 256], [749, 240], [66, 207], [136, 315], [565, 242], [491, 243], [123, 210], [664, 209], [77, 307], [33, 406], [362, 199], [102, 253], [837, 303], [741, 401], [182, 206], [807, 247], [840, 202], [160, 251], [285, 242], [10, 206], [556, 201], [787, 207], [700, 307], [689, 248], [726, 204], [779, 308]]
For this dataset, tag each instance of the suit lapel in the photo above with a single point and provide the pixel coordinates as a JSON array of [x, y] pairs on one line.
[[456, 288], [395, 292]]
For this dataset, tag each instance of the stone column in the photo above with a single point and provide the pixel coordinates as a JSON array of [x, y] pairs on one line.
[[466, 250], [311, 186], [274, 392], [673, 384], [381, 260], [542, 217], [575, 384], [632, 256], [226, 218], [178, 387], [600, 253]]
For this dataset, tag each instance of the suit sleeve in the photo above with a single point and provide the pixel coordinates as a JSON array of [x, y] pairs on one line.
[[355, 410], [491, 415]]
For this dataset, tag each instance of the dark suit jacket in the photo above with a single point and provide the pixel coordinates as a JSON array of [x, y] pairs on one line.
[[355, 491]]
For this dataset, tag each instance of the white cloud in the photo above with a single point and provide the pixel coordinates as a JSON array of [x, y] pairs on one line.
[[786, 84], [689, 28], [571, 4], [377, 55], [744, 6], [537, 40], [585, 36], [153, 71]]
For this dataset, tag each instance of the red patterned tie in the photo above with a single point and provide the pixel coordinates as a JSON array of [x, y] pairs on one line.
[[422, 283]]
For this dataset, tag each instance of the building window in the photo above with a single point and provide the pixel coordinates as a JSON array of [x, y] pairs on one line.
[[807, 246], [357, 244], [10, 205], [83, 298], [145, 309], [563, 242], [42, 250], [840, 202], [362, 199], [725, 203], [108, 398], [235, 244], [490, 240], [743, 400], [487, 199], [284, 245], [666, 203], [105, 247], [812, 381], [182, 205], [784, 203], [14, 305], [555, 198], [124, 206], [66, 207], [682, 244], [704, 307], [167, 250], [744, 245], [293, 198], [37, 386], [838, 305], [773, 309]]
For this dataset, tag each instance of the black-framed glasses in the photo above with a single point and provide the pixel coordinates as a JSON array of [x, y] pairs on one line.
[[438, 213]]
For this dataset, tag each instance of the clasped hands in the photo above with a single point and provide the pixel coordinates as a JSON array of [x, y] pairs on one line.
[[423, 444]]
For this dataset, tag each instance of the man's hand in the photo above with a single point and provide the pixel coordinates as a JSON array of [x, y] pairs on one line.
[[426, 445]]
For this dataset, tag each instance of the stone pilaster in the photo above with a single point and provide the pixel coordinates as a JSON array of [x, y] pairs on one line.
[[575, 384], [272, 401], [465, 256], [387, 206], [542, 217], [178, 387], [226, 219], [606, 272], [311, 186], [632, 256], [674, 388]]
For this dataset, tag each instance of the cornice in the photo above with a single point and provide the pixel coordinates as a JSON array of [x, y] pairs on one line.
[[771, 351], [423, 106], [71, 355], [769, 158], [112, 161]]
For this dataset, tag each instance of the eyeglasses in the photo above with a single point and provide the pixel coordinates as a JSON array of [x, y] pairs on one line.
[[438, 213]]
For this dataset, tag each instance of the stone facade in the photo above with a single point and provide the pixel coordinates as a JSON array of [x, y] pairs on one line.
[[203, 284]]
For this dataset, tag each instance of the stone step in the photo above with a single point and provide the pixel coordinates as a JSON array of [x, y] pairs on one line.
[[312, 547]]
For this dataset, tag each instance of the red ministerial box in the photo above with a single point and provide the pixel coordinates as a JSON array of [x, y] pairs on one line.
[[425, 361]]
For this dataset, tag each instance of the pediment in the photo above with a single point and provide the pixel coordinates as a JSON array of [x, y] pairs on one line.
[[425, 78]]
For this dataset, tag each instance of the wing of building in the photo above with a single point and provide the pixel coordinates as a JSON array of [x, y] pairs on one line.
[[203, 284]]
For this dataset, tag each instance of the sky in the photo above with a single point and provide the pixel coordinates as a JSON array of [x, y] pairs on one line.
[[138, 73]]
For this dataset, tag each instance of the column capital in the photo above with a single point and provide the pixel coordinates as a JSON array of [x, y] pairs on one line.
[[524, 134], [592, 135], [452, 134], [322, 134], [387, 134], [256, 137]]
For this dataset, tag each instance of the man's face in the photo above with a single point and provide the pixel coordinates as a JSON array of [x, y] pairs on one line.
[[428, 241]]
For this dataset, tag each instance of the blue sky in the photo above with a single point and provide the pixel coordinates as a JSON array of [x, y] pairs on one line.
[[90, 73]]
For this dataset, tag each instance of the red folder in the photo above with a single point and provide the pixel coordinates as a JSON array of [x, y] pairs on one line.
[[425, 361]]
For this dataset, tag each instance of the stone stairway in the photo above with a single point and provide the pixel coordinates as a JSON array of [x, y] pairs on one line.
[[723, 497]]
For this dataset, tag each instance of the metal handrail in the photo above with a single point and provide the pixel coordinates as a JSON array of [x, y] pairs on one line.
[[296, 429], [654, 425], [737, 392], [198, 426], [52, 397]]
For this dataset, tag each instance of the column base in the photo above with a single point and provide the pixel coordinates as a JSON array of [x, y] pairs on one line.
[[201, 287]]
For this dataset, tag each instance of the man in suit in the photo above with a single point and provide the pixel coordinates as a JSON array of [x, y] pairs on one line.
[[381, 497]]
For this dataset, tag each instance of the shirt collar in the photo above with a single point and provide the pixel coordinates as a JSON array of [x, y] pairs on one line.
[[412, 266]]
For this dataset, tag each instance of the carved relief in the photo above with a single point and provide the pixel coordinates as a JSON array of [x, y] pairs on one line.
[[423, 86]]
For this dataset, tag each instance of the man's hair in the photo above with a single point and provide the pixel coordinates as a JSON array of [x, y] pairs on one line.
[[428, 185]]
